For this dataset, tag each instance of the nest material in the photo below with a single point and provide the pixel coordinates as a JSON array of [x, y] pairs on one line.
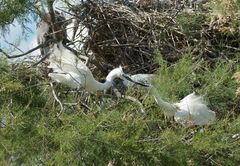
[[120, 35], [127, 36]]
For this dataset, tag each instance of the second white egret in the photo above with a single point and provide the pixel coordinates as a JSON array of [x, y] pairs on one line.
[[191, 110]]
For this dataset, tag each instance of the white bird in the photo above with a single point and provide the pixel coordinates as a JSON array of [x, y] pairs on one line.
[[67, 69], [142, 78], [190, 111], [70, 79]]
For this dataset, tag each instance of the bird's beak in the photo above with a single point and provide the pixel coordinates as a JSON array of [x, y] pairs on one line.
[[129, 79]]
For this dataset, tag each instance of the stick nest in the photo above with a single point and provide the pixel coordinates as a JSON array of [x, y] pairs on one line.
[[127, 36]]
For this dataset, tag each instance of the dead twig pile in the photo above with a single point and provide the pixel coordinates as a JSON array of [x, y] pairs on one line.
[[127, 36], [120, 35]]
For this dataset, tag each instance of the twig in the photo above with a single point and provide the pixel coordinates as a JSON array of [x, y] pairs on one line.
[[85, 105], [33, 49], [174, 16], [136, 101], [56, 98], [41, 60], [104, 18], [118, 94], [14, 46], [56, 29]]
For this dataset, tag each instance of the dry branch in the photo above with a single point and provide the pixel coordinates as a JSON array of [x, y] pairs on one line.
[[28, 52]]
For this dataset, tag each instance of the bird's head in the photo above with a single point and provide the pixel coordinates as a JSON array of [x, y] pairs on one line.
[[115, 73]]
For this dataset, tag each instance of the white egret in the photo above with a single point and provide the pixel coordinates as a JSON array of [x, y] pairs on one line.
[[67, 69], [190, 111]]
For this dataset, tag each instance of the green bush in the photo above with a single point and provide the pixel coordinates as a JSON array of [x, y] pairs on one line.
[[34, 135]]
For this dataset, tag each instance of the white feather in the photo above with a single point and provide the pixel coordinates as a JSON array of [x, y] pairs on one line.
[[69, 70], [195, 111], [191, 110]]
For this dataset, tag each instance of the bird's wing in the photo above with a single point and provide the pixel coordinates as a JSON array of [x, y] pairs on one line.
[[81, 72], [64, 59], [61, 54], [84, 72], [193, 98], [58, 77], [71, 79], [199, 113], [202, 115]]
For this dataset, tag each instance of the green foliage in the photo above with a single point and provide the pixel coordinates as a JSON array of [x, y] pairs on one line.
[[15, 10], [11, 9], [33, 135], [221, 89], [214, 83], [191, 24]]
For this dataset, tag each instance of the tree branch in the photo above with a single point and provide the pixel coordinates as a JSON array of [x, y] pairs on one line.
[[57, 36], [56, 98], [40, 9], [42, 59], [14, 46], [28, 52]]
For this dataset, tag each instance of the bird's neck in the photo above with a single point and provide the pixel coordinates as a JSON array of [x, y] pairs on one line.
[[165, 105], [111, 76], [107, 84], [101, 86]]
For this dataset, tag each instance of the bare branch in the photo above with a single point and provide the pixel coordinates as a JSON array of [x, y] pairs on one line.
[[135, 101], [42, 59], [28, 52], [56, 29], [13, 46], [56, 98], [41, 12]]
